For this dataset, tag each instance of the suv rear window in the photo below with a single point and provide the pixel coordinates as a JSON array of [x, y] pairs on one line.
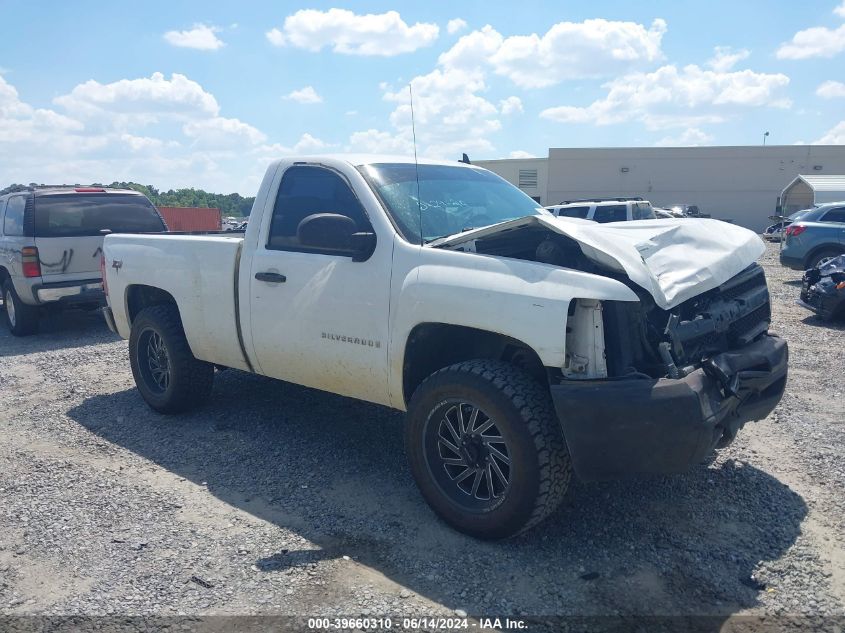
[[573, 212], [642, 211], [68, 215], [835, 215], [611, 213]]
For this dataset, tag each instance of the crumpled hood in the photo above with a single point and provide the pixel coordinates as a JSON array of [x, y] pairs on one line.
[[673, 259]]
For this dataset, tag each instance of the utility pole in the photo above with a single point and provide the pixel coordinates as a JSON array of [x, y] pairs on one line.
[[765, 136]]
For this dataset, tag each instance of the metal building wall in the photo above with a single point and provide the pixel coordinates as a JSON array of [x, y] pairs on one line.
[[741, 184], [191, 218]]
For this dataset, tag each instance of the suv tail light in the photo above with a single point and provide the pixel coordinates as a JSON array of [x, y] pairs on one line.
[[89, 190], [29, 262], [795, 230], [103, 273]]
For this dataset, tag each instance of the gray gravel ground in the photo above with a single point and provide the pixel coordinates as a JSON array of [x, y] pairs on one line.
[[276, 499]]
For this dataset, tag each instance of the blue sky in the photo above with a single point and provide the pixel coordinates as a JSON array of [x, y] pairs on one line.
[[205, 94]]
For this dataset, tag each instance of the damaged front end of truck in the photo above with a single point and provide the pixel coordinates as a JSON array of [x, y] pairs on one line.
[[653, 386]]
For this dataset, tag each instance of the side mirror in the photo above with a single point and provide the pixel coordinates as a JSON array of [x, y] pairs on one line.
[[335, 232]]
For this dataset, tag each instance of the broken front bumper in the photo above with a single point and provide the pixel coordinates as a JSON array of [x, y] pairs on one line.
[[617, 428]]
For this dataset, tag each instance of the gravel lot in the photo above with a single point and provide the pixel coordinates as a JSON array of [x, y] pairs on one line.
[[276, 499]]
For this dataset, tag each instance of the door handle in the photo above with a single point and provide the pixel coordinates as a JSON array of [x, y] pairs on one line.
[[273, 278]]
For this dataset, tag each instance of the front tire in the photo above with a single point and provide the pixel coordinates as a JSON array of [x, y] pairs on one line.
[[486, 449], [21, 318], [166, 373]]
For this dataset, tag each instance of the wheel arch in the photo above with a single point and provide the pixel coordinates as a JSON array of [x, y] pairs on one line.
[[458, 343], [827, 246], [140, 296]]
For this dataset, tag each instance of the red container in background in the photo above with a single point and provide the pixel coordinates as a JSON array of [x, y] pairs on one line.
[[191, 218]]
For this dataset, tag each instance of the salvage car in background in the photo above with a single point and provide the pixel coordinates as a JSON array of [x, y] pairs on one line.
[[664, 214], [50, 244], [688, 211], [823, 289], [816, 237], [774, 232]]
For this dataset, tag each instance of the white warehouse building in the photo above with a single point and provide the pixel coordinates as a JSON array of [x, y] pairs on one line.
[[742, 184]]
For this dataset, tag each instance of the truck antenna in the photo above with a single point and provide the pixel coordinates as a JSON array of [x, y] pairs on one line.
[[416, 163]]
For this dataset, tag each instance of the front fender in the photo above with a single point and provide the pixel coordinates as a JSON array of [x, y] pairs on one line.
[[524, 300]]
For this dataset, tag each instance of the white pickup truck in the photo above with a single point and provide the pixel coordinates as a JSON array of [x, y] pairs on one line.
[[522, 346]]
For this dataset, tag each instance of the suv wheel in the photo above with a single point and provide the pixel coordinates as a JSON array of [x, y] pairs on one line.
[[822, 257], [21, 318], [166, 373], [486, 449]]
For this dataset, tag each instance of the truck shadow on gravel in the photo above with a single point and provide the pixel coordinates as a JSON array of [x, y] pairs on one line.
[[333, 471], [56, 332], [816, 321]]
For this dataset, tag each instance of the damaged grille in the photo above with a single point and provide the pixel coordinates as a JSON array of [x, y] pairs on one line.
[[729, 317]]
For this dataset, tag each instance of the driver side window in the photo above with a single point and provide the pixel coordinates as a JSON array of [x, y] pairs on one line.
[[306, 191]]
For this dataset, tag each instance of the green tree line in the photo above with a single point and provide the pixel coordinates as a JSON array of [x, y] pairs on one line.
[[229, 204]]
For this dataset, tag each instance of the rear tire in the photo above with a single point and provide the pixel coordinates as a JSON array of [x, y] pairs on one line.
[[21, 318], [816, 259], [493, 482], [166, 373]]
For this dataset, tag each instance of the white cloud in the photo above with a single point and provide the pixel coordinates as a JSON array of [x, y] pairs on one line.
[[374, 141], [834, 136], [831, 90], [304, 95], [308, 144], [452, 113], [725, 58], [511, 105], [201, 37], [451, 117], [145, 143], [455, 25], [568, 50], [691, 137], [473, 51], [518, 153], [818, 41], [383, 34], [222, 133], [98, 139], [21, 123], [275, 37], [673, 97], [147, 98], [840, 10]]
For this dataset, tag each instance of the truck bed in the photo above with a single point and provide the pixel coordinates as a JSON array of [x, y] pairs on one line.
[[198, 270]]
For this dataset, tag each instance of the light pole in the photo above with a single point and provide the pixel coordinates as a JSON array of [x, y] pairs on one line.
[[765, 135]]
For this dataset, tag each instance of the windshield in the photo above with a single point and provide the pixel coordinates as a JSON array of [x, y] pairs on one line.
[[573, 212], [66, 215], [451, 199]]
